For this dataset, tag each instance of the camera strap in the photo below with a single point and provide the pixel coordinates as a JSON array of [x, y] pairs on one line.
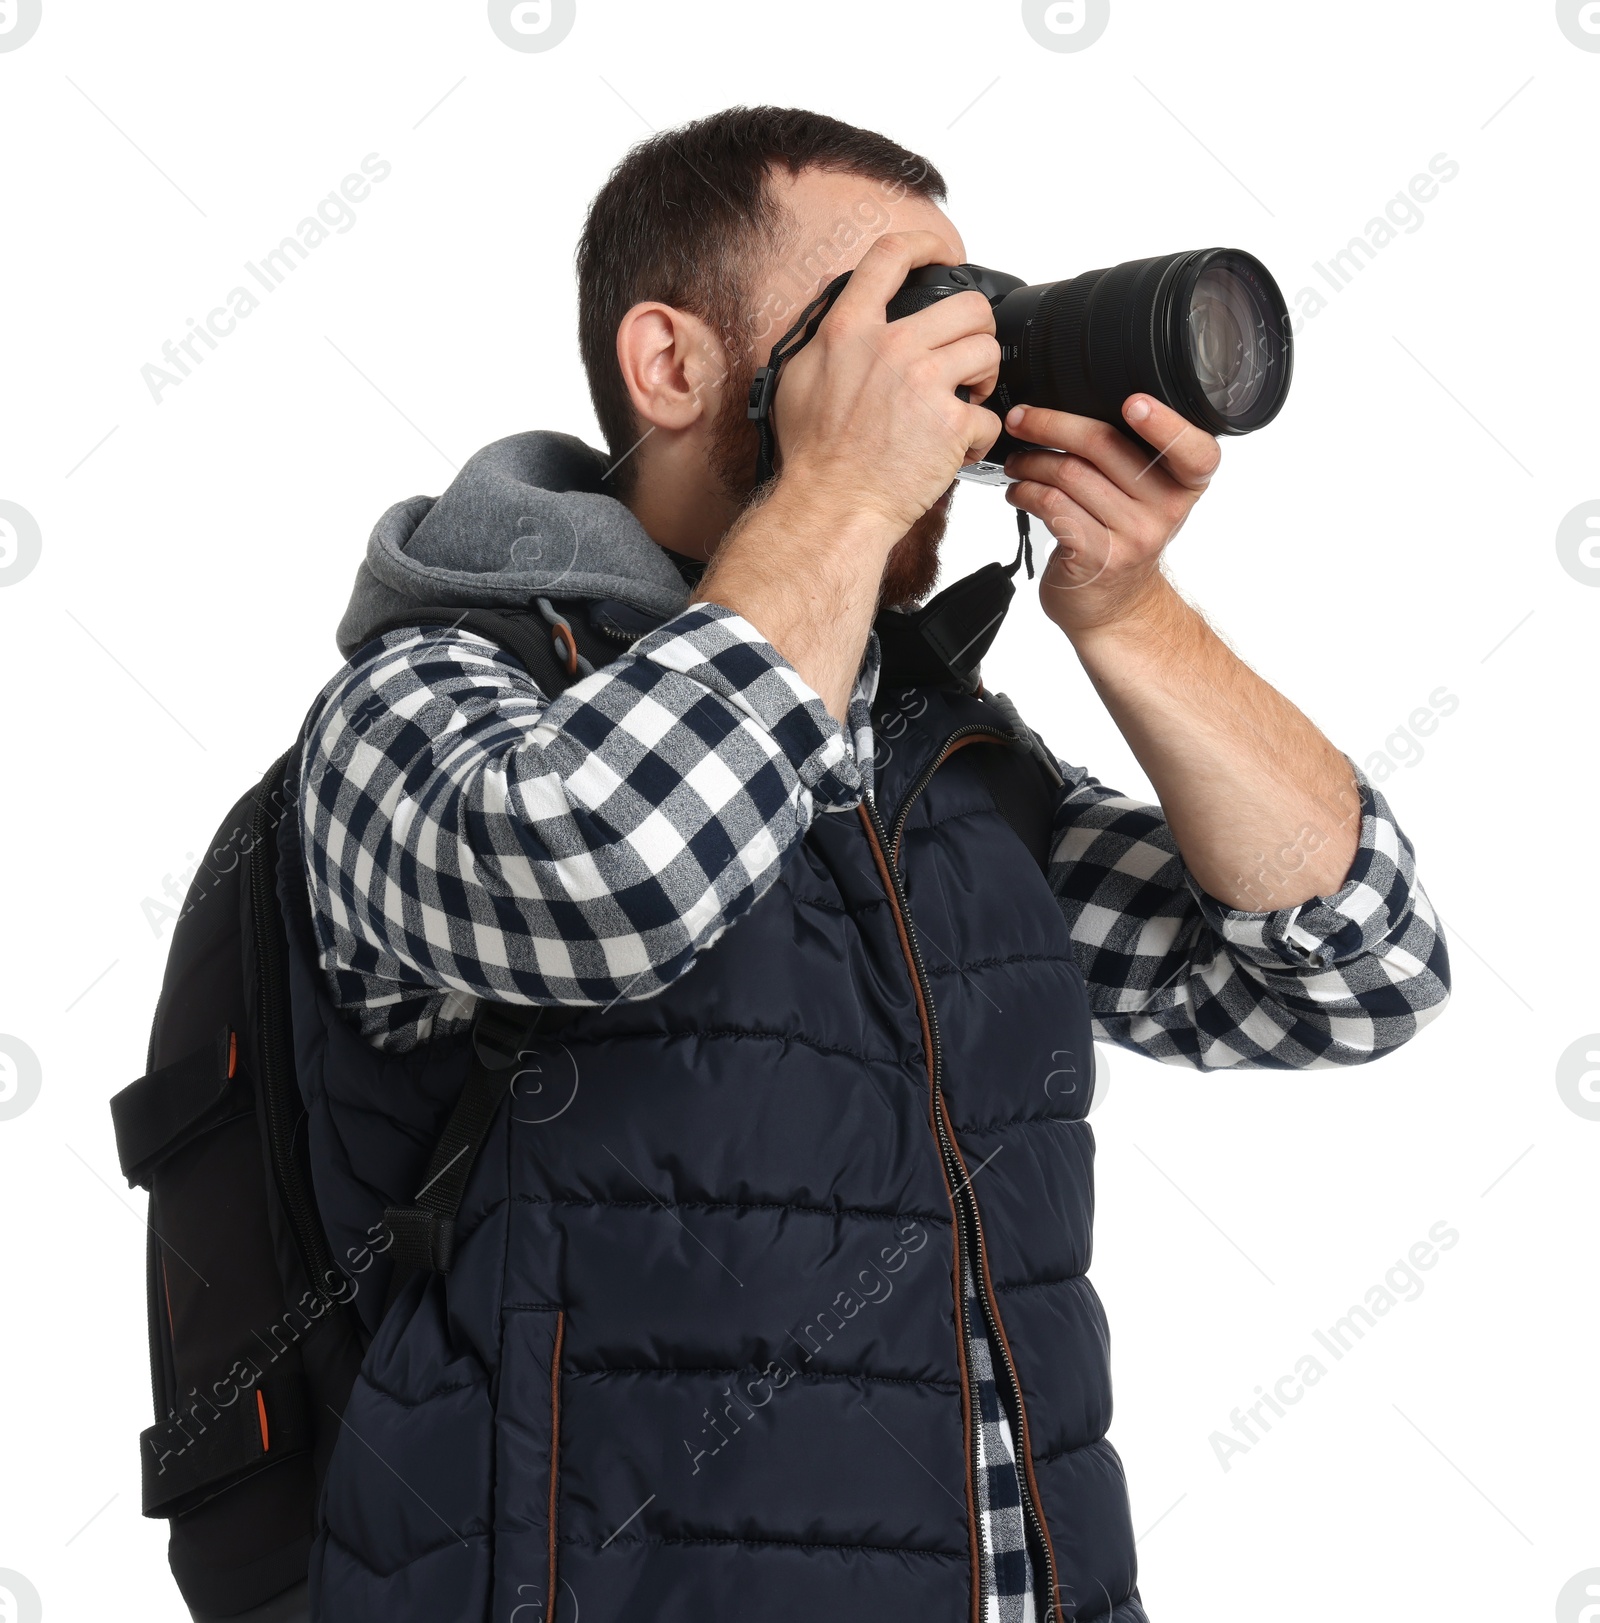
[[764, 385], [942, 644]]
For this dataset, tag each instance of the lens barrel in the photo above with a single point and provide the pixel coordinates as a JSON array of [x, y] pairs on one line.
[[1205, 332]]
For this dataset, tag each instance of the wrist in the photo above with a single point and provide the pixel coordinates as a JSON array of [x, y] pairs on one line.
[[801, 534], [809, 505], [806, 575], [1150, 612]]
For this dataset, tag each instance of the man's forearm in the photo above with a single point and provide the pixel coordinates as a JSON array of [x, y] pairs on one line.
[[1264, 809]]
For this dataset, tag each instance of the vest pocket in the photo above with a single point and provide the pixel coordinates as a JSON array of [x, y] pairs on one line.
[[528, 1464]]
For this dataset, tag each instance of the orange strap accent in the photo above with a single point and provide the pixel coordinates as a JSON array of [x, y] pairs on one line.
[[261, 1415], [567, 648], [233, 1053]]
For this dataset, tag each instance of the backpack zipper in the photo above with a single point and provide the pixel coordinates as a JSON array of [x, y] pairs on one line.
[[277, 1081], [617, 634], [969, 1226]]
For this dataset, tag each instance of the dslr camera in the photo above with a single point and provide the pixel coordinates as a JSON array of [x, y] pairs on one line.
[[1205, 332]]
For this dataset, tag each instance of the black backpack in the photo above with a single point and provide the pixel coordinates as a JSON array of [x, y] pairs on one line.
[[254, 1344]]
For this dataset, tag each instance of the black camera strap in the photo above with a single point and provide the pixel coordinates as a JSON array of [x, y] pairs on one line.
[[764, 385], [942, 644]]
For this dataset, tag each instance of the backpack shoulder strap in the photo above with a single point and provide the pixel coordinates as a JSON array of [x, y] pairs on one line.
[[555, 650], [551, 648], [425, 1231], [1025, 782]]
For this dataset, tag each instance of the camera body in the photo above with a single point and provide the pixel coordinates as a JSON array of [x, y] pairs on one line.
[[1205, 331]]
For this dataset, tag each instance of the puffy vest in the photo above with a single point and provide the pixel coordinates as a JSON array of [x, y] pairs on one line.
[[698, 1358]]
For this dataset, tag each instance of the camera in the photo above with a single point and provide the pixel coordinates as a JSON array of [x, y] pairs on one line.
[[1205, 331]]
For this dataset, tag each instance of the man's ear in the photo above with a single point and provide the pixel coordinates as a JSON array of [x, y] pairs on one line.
[[672, 363]]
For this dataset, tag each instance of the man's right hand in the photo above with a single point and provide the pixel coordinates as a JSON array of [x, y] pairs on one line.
[[866, 414], [870, 433]]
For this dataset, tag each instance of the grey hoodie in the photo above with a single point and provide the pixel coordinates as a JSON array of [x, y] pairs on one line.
[[525, 517]]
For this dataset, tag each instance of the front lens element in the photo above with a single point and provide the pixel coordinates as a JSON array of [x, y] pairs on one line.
[[1228, 343]]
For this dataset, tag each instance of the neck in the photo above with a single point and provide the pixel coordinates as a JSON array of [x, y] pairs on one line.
[[681, 509]]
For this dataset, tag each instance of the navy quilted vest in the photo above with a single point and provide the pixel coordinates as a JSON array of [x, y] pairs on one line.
[[697, 1360]]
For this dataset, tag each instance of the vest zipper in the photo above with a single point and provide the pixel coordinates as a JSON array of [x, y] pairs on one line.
[[969, 1226], [277, 1081], [972, 734]]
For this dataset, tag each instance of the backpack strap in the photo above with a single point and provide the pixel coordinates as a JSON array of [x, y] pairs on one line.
[[555, 650], [171, 1106], [425, 1231], [1025, 782], [551, 648], [194, 1455]]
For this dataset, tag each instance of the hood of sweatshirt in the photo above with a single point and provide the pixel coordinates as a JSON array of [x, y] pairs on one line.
[[526, 517]]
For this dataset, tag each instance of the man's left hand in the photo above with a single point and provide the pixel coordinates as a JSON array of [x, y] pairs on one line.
[[1111, 507]]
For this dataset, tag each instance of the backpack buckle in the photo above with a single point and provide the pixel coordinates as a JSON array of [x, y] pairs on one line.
[[423, 1240], [500, 1031]]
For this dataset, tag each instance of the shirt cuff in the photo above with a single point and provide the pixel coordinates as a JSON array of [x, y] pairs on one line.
[[1369, 908], [725, 654]]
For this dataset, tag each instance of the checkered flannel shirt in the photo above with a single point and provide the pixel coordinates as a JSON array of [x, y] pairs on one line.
[[467, 837]]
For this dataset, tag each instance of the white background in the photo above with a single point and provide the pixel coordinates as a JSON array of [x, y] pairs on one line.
[[1393, 533]]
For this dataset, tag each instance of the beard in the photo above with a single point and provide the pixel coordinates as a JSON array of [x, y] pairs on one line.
[[912, 569]]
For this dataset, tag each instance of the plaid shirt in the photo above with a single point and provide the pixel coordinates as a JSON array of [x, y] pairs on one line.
[[467, 837]]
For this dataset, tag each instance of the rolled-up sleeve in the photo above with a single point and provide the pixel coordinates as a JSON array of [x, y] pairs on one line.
[[466, 834], [1180, 976]]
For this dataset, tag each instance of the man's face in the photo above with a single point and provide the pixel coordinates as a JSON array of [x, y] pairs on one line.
[[833, 219]]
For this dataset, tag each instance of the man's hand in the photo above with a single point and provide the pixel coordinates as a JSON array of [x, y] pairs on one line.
[[1111, 507], [870, 434], [1263, 808], [866, 414]]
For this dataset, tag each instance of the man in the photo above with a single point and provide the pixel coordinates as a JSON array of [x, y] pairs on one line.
[[768, 1296]]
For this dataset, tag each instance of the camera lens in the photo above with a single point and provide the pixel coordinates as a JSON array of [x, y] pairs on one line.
[[1205, 331], [1230, 364]]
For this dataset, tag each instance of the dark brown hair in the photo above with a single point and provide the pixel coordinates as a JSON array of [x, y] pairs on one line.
[[687, 217]]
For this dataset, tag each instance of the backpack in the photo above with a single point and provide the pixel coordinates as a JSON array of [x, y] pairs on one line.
[[254, 1343]]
